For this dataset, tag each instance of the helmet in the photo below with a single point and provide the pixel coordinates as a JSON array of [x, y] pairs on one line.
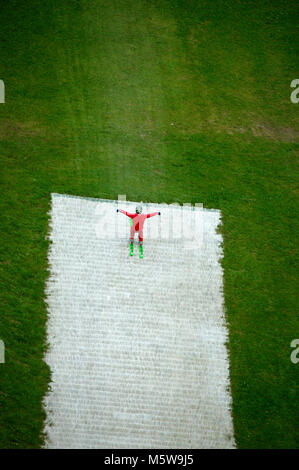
[[139, 209]]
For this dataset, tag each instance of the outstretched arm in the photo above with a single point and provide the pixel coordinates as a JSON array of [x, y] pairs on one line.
[[152, 214], [126, 213]]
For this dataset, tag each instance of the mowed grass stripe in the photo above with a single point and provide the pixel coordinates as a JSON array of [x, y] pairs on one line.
[[92, 90]]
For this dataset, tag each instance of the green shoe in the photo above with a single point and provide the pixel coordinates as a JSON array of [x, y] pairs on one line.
[[140, 251], [131, 249]]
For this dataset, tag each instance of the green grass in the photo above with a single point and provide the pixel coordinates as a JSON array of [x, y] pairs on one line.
[[92, 88]]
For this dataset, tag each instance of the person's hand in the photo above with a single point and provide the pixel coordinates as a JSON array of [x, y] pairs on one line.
[[159, 213]]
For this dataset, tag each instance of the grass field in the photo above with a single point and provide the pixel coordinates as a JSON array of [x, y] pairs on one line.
[[164, 101]]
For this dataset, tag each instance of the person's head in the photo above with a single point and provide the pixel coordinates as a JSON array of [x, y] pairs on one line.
[[139, 209]]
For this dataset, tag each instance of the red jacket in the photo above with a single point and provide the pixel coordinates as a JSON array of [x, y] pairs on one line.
[[138, 220]]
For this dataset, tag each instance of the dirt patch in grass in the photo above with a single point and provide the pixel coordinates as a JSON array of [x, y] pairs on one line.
[[266, 131], [284, 134], [11, 129]]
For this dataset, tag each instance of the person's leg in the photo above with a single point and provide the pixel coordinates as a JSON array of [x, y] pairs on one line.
[[132, 234], [140, 245], [140, 233]]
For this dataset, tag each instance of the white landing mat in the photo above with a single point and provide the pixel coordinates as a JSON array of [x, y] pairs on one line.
[[137, 346]]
